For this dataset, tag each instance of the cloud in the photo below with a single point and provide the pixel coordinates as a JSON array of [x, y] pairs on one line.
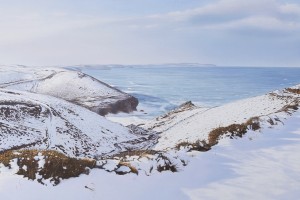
[[222, 15], [268, 15], [218, 31], [23, 27], [291, 9]]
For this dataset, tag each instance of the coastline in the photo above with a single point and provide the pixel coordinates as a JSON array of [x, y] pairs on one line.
[[159, 147]]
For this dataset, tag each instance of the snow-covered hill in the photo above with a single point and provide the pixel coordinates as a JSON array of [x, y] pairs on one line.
[[36, 121], [191, 124], [49, 122], [72, 86], [58, 109], [258, 166]]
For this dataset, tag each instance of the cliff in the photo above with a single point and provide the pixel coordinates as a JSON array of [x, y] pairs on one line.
[[73, 86]]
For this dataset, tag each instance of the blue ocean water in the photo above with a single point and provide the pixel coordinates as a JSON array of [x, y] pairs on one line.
[[162, 88]]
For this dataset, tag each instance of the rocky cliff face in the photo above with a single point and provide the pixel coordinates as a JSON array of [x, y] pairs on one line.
[[73, 86]]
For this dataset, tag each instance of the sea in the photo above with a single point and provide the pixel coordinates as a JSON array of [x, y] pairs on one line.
[[161, 88]]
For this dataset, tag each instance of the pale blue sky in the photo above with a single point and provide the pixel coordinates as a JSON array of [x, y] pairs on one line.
[[222, 32]]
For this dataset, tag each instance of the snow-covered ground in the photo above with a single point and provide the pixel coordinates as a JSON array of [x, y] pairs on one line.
[[29, 120], [261, 165], [39, 112], [73, 86], [51, 108], [190, 123]]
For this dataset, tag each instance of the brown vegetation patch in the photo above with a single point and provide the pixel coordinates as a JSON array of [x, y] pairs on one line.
[[235, 130], [57, 166], [196, 146], [290, 108], [167, 164], [292, 90], [127, 164], [6, 157], [139, 153], [167, 167]]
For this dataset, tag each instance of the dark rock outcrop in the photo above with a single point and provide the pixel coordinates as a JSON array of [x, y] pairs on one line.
[[127, 105]]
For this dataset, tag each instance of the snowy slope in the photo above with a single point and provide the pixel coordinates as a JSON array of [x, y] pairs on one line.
[[258, 166], [29, 120], [69, 85], [37, 119], [191, 123]]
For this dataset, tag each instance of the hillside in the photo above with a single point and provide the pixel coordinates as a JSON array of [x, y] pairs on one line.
[[38, 121], [191, 124], [73, 86], [48, 116], [258, 166]]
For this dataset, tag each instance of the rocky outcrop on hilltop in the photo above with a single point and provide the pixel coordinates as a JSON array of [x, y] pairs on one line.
[[73, 86]]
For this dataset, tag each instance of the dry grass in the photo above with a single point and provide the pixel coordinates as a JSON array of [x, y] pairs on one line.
[[167, 166], [57, 166], [132, 168], [235, 130], [195, 146], [6, 157], [140, 153], [291, 90], [290, 108]]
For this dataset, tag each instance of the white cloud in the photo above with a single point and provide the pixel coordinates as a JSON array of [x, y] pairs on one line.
[[222, 15], [290, 9], [261, 23], [23, 27], [236, 14], [203, 34]]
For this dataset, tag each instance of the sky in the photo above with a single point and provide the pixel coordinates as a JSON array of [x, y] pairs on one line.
[[221, 32]]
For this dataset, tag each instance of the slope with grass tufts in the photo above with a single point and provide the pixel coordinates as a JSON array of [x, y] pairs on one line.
[[190, 124]]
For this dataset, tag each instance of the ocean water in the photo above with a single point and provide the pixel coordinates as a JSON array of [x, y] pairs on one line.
[[162, 88]]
